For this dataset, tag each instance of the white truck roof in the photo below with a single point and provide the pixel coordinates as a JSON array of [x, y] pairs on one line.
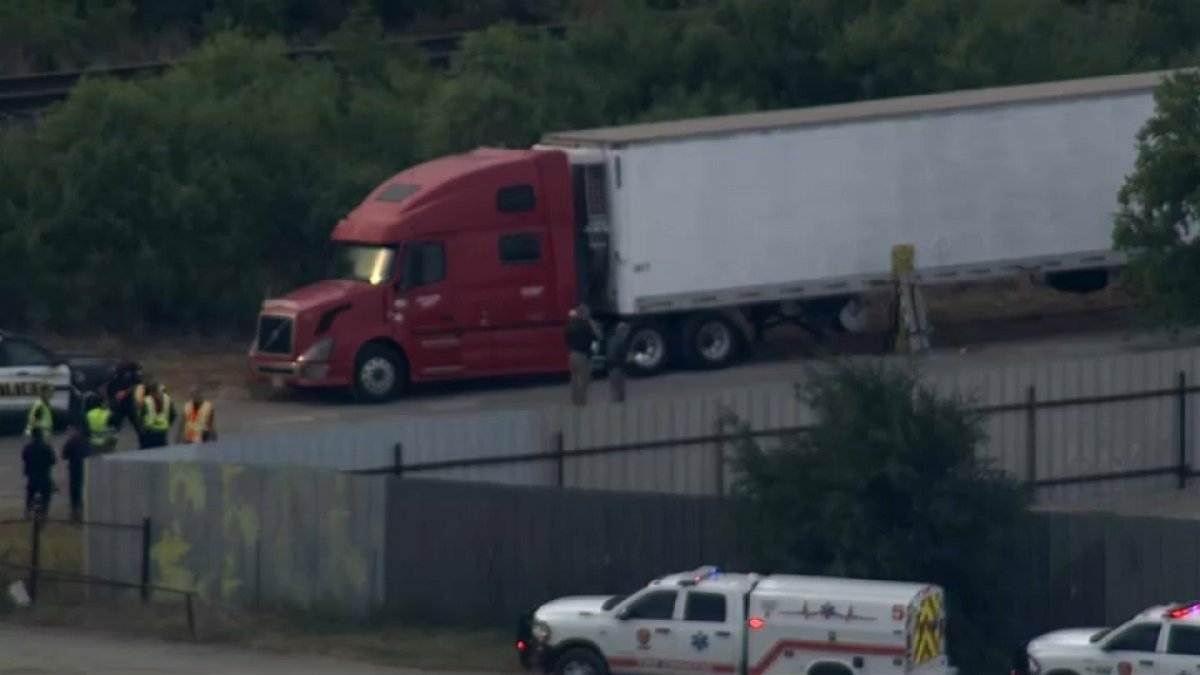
[[863, 110], [881, 591]]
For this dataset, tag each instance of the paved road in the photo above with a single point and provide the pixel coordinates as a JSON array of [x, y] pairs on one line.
[[242, 416], [45, 651]]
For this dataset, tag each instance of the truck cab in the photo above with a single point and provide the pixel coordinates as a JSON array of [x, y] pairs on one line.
[[1161, 640], [713, 622], [457, 268]]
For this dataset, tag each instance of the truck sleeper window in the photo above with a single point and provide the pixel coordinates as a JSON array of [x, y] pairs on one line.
[[657, 605], [709, 607]]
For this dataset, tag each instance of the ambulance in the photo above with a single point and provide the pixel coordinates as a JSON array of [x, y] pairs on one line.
[[707, 621]]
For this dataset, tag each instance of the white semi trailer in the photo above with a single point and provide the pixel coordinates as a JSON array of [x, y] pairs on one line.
[[702, 226]]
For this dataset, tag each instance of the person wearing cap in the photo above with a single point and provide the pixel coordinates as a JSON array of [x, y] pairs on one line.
[[580, 335], [199, 422], [158, 415], [40, 415]]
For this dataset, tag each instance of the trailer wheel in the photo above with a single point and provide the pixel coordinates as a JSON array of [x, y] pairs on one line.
[[710, 341], [580, 661], [380, 373], [649, 347]]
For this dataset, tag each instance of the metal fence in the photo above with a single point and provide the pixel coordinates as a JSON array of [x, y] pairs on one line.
[[474, 553], [1079, 428]]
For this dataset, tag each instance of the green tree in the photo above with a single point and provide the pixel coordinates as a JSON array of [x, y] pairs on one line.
[[889, 484], [1160, 205]]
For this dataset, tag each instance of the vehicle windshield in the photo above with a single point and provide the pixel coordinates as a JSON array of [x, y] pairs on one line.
[[371, 263], [613, 602]]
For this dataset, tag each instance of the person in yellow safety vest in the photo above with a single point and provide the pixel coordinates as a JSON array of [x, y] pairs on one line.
[[40, 414], [158, 414], [199, 422], [101, 434]]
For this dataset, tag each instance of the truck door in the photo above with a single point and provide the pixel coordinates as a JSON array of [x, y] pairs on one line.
[[1131, 651], [643, 641], [526, 330], [710, 635], [1182, 651], [426, 313]]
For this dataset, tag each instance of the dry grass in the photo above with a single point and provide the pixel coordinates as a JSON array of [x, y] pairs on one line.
[[120, 613]]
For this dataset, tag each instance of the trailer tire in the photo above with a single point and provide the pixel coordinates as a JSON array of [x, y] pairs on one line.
[[380, 373], [580, 661], [650, 345], [710, 341]]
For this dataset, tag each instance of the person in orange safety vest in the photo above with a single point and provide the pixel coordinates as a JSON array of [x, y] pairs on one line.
[[199, 422]]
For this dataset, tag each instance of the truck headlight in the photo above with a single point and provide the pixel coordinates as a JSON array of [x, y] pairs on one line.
[[540, 632], [321, 350]]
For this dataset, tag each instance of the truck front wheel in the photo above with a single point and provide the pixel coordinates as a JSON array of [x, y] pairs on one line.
[[580, 661], [380, 374]]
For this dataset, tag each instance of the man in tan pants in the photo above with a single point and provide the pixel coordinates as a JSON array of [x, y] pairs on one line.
[[580, 335]]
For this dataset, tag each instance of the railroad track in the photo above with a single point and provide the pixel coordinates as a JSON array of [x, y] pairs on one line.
[[28, 93]]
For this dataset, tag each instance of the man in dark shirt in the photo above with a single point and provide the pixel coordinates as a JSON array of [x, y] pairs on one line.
[[38, 460], [74, 451], [616, 355], [580, 334]]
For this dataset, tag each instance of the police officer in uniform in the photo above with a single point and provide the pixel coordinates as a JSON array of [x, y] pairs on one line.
[[158, 414], [40, 415], [101, 432]]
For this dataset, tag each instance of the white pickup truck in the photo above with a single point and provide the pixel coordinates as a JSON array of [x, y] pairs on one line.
[[1162, 640], [742, 624]]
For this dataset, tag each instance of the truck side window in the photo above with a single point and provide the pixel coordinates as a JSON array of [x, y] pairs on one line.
[[1142, 637], [708, 607], [1184, 640], [515, 199], [520, 249], [425, 264], [657, 605]]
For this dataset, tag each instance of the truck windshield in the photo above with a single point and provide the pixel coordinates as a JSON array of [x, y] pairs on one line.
[[362, 262]]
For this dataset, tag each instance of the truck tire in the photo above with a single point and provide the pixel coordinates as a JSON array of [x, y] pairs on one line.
[[827, 668], [380, 374], [649, 345], [580, 661], [710, 341]]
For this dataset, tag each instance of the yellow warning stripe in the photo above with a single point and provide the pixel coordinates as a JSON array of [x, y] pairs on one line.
[[927, 638]]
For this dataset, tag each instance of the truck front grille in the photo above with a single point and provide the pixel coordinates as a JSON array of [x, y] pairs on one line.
[[275, 335]]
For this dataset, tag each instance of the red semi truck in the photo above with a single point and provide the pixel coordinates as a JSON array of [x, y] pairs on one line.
[[702, 233]]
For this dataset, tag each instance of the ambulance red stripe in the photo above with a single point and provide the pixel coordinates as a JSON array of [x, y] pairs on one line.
[[865, 649], [669, 664]]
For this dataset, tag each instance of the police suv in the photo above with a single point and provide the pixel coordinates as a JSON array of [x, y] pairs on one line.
[[26, 366], [742, 624], [1162, 640]]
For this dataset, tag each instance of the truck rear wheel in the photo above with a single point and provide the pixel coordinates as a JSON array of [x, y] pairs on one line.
[[580, 661], [380, 374], [827, 668], [649, 347], [710, 341]]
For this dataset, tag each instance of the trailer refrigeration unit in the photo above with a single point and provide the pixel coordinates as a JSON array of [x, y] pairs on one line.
[[704, 232]]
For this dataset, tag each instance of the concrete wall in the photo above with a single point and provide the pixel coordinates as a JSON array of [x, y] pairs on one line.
[[273, 537]]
